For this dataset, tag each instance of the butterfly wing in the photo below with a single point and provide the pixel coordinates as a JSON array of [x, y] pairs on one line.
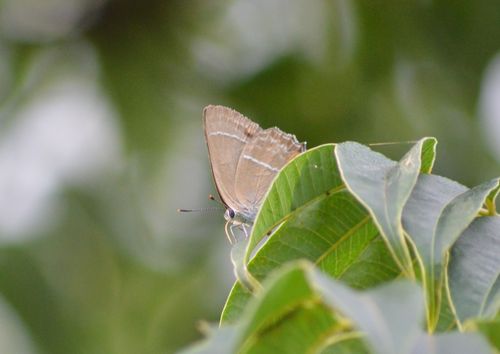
[[227, 132], [260, 161]]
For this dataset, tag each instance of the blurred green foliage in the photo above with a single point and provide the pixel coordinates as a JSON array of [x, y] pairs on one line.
[[104, 264]]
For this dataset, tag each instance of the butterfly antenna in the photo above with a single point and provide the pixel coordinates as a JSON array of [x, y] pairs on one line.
[[209, 209], [394, 143], [211, 197]]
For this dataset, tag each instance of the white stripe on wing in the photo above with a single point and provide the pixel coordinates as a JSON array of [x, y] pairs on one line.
[[229, 135], [260, 163]]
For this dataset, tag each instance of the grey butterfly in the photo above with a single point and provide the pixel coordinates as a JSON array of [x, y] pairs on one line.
[[245, 159]]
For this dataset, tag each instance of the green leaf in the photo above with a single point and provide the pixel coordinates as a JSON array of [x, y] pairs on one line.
[[388, 315], [422, 211], [458, 214], [490, 329], [447, 319], [235, 304], [491, 201], [304, 180], [428, 155], [337, 234], [221, 341], [452, 343], [434, 216], [287, 290], [239, 265], [300, 331], [344, 344], [474, 268], [383, 187]]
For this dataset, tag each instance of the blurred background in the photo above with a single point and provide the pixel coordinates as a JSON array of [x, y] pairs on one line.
[[101, 140]]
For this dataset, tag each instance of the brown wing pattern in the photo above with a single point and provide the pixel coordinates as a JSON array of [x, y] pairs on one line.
[[260, 161], [226, 133]]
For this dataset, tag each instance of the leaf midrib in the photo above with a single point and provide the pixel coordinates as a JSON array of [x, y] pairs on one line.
[[261, 329], [343, 238]]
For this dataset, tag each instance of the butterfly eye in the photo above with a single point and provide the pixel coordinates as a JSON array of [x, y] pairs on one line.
[[231, 213]]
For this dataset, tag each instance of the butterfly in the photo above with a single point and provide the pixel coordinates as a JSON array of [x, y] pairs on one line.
[[244, 159]]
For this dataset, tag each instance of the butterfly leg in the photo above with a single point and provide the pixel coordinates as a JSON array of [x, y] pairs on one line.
[[231, 228], [228, 228], [245, 231]]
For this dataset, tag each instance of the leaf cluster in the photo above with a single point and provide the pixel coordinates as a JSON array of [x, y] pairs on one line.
[[352, 252]]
